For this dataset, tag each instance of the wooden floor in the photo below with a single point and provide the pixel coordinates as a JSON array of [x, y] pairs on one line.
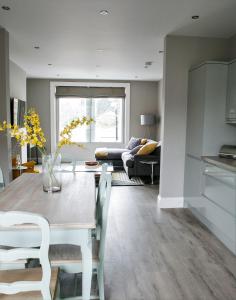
[[156, 254]]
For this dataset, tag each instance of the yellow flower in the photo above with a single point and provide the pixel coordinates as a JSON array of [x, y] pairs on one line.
[[66, 133]]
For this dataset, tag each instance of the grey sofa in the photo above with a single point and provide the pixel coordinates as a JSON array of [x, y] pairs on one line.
[[132, 163]]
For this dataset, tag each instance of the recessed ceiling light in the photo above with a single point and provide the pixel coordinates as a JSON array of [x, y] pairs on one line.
[[98, 66], [195, 17], [100, 50], [36, 47], [104, 12], [148, 63], [4, 7], [49, 64], [160, 51]]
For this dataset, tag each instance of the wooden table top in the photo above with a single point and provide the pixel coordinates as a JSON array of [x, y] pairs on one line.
[[73, 207]]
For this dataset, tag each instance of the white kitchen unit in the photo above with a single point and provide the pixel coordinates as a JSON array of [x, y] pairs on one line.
[[206, 133], [218, 211], [231, 94]]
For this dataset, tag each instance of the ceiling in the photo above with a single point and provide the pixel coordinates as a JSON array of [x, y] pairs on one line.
[[71, 32]]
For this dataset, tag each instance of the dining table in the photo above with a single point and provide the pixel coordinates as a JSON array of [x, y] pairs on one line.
[[70, 213]]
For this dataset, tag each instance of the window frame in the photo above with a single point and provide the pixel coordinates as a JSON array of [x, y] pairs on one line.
[[54, 109]]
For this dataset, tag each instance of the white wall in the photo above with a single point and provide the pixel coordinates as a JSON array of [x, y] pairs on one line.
[[180, 54], [143, 99]]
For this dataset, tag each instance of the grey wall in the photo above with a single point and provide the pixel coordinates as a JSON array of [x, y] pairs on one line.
[[180, 54], [17, 82], [5, 141], [159, 109], [232, 46], [17, 90], [38, 97], [144, 99]]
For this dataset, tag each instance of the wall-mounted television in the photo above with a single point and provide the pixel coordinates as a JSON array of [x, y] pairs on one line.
[[18, 109]]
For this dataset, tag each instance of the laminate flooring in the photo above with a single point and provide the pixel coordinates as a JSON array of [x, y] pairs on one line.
[[167, 254]]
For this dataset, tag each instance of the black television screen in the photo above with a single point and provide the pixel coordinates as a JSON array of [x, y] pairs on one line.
[[17, 112]]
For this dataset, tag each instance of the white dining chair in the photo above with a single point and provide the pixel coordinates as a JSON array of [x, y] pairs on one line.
[[69, 257], [99, 201], [27, 284], [2, 182]]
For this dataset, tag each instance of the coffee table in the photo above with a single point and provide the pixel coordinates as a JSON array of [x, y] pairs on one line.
[[80, 166]]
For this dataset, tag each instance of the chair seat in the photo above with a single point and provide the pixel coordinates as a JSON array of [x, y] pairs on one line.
[[58, 254], [34, 274]]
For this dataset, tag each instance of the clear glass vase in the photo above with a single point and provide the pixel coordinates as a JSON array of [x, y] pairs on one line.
[[51, 173]]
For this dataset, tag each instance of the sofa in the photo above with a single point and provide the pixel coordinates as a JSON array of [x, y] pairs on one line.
[[132, 163]]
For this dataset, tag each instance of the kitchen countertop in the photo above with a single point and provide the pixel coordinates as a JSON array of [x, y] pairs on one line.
[[221, 162]]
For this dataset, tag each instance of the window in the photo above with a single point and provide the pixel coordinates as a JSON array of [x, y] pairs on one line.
[[107, 113]]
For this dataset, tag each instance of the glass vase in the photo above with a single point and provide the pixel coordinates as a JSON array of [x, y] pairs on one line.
[[51, 173]]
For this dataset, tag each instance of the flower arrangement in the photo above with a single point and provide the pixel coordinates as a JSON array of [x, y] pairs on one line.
[[33, 134]]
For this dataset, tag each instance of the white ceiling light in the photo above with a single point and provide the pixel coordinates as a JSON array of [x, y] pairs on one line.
[[100, 50], [104, 12]]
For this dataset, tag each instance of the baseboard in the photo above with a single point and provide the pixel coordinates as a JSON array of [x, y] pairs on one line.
[[170, 202]]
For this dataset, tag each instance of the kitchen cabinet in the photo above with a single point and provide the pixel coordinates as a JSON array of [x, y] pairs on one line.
[[211, 198]]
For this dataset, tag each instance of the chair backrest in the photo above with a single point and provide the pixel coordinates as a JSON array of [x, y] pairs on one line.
[[8, 219], [104, 207], [2, 182]]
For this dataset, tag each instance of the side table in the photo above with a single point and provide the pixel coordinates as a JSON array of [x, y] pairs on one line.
[[151, 163]]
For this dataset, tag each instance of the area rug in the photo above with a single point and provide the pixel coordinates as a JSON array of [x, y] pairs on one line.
[[120, 178]]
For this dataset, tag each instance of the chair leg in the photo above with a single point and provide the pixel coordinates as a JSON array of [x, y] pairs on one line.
[[57, 295], [101, 283], [46, 293]]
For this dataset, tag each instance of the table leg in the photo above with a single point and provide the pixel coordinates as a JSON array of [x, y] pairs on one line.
[[87, 267], [152, 173]]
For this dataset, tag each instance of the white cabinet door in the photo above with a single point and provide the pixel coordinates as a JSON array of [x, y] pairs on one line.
[[231, 98]]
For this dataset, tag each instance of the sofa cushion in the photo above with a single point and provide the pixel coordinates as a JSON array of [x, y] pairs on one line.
[[136, 149], [128, 159], [101, 153], [133, 142], [109, 153], [147, 148], [143, 141]]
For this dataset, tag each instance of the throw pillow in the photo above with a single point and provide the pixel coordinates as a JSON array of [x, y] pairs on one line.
[[135, 150], [147, 149], [143, 141], [133, 142]]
